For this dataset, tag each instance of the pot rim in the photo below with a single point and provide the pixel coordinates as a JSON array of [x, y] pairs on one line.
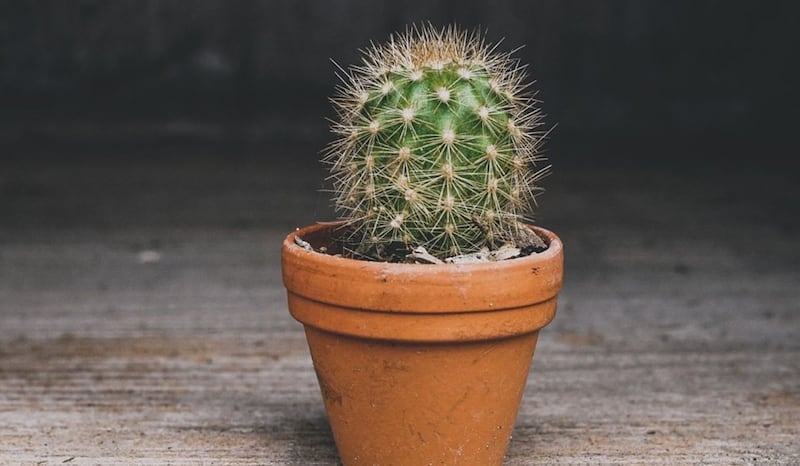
[[421, 288], [554, 248]]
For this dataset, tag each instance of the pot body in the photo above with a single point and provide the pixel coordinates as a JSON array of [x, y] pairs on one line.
[[420, 364]]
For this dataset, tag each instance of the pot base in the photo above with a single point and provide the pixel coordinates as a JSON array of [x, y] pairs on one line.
[[418, 404]]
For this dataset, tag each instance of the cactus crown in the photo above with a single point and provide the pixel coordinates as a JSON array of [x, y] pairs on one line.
[[437, 144]]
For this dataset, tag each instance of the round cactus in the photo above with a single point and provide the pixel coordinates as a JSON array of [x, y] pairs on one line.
[[438, 144]]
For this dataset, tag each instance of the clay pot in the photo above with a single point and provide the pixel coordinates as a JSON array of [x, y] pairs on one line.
[[420, 364]]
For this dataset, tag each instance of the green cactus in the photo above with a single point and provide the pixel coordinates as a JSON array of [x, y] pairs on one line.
[[438, 144]]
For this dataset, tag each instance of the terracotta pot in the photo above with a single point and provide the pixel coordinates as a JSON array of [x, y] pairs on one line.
[[420, 364]]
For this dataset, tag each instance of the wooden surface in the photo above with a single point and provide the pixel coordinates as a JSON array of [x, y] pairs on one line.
[[143, 321]]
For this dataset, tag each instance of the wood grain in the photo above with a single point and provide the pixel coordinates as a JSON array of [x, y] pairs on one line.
[[128, 341]]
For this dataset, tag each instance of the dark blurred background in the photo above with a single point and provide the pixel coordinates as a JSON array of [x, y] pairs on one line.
[[242, 86]]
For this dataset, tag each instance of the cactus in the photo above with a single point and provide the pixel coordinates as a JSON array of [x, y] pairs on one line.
[[438, 142]]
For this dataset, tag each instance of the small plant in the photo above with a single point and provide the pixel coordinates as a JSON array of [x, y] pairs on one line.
[[438, 141]]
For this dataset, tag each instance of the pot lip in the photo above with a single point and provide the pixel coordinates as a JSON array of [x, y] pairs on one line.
[[554, 249], [395, 288]]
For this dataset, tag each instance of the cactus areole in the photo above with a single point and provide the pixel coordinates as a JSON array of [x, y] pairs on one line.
[[438, 141]]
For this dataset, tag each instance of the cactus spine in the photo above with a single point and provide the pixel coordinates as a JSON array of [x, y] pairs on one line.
[[437, 144]]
